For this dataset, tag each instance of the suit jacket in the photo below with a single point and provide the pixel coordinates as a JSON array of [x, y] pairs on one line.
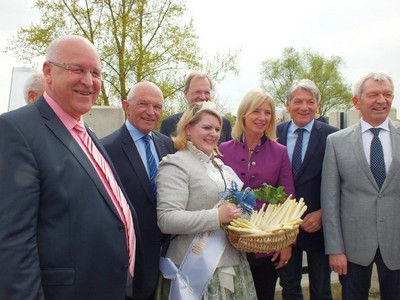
[[60, 234], [130, 168], [168, 127], [307, 182], [358, 217], [269, 164]]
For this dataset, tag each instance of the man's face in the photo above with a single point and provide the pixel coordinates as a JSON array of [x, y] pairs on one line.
[[74, 92], [144, 110], [199, 90], [302, 107], [375, 101]]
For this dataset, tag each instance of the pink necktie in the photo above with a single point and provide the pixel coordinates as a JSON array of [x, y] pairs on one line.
[[119, 200]]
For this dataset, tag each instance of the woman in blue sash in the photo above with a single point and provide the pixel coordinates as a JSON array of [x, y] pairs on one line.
[[257, 158], [200, 263]]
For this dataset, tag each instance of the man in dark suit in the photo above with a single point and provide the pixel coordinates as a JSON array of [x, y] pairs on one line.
[[66, 228], [198, 88], [302, 103], [127, 149]]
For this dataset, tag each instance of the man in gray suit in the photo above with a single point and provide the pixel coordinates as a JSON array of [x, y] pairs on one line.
[[360, 194]]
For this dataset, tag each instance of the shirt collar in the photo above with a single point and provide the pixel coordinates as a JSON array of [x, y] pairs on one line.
[[293, 127], [366, 126], [68, 121], [134, 132]]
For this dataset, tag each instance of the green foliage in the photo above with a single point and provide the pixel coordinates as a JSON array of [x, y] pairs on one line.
[[231, 118], [270, 194], [277, 76], [137, 40]]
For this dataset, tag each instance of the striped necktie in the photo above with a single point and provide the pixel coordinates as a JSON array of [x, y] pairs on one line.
[[377, 161], [297, 151], [151, 163], [118, 198]]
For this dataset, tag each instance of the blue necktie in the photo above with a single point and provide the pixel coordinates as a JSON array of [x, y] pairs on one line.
[[151, 163], [377, 162], [296, 157]]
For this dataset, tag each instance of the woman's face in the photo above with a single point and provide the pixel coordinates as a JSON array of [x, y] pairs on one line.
[[205, 133], [257, 121]]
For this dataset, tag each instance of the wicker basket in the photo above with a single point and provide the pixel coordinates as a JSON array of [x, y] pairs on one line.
[[265, 242]]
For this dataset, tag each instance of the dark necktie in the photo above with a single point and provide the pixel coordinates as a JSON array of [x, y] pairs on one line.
[[296, 158], [377, 162], [151, 163]]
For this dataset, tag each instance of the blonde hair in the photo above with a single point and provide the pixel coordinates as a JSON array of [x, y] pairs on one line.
[[251, 101], [192, 116]]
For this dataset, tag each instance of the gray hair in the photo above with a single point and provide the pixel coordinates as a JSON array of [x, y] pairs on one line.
[[358, 86], [34, 83], [304, 84]]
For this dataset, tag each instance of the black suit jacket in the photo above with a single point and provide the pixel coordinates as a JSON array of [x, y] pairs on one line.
[[307, 182], [168, 127], [60, 234], [132, 172]]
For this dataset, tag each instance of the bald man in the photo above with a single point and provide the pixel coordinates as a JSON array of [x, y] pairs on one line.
[[66, 228], [127, 149]]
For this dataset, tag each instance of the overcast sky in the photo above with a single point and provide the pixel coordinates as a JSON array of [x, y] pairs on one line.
[[365, 33]]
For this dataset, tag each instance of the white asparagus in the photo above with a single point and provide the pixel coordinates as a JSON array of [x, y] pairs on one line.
[[274, 218]]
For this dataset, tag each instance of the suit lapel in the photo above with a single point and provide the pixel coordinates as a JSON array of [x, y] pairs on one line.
[[136, 162], [395, 164], [283, 134], [313, 142], [355, 140], [160, 146], [59, 130]]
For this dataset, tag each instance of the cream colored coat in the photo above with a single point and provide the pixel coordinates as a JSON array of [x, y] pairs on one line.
[[186, 197]]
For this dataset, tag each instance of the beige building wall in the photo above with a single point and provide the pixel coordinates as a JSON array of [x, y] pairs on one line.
[[343, 119], [103, 120]]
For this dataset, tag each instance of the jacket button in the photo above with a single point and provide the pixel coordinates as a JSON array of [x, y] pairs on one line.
[[121, 228], [252, 176], [253, 163]]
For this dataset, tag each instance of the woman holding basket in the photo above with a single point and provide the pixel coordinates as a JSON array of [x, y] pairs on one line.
[[200, 263], [257, 158]]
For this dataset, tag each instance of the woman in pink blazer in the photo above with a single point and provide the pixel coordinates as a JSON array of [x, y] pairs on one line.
[[257, 158]]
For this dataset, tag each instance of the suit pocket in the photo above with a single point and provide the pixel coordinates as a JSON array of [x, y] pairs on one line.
[[58, 276]]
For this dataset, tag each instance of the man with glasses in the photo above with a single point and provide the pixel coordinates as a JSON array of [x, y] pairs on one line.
[[67, 230], [128, 149], [198, 88]]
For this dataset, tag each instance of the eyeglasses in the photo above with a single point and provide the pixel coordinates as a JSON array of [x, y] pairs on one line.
[[78, 70], [145, 105]]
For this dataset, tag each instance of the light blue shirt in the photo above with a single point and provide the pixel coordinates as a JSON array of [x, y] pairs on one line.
[[137, 136], [292, 137]]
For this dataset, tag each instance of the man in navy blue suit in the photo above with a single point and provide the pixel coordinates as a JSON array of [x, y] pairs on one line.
[[127, 149], [302, 103]]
